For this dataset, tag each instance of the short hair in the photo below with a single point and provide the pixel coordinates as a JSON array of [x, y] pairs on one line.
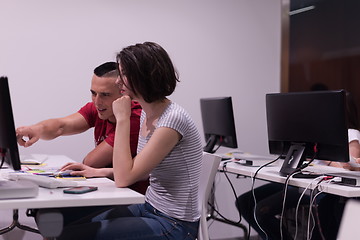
[[108, 69], [319, 87], [149, 71]]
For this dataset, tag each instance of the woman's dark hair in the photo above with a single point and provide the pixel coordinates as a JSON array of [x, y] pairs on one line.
[[352, 112], [149, 71]]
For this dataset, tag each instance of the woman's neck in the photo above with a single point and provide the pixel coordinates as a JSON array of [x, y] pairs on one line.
[[155, 109], [153, 112]]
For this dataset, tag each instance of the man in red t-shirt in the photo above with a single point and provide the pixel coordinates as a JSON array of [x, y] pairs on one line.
[[104, 132], [97, 114]]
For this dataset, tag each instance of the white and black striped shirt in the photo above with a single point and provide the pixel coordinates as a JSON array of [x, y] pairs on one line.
[[174, 182]]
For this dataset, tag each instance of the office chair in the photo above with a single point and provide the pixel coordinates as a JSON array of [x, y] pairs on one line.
[[349, 227], [210, 164]]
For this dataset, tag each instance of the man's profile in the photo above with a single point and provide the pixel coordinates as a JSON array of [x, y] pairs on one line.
[[97, 114]]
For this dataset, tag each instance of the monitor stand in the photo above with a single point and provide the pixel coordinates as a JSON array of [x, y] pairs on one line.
[[213, 139], [294, 159], [18, 189]]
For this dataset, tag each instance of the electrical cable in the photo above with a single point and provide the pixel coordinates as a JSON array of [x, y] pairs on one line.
[[3, 154], [310, 214], [233, 190], [213, 205], [299, 201], [298, 169], [320, 190], [331, 180], [254, 197], [310, 232], [321, 178], [283, 205]]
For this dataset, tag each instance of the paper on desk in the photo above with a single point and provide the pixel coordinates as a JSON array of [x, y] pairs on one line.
[[33, 159]]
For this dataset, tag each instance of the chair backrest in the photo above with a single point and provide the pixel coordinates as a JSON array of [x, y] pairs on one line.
[[210, 164], [349, 226]]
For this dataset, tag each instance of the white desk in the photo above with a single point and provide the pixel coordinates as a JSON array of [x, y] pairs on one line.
[[107, 194], [272, 174]]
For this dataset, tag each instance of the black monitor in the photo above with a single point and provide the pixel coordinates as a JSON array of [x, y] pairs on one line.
[[307, 125], [218, 123], [8, 144]]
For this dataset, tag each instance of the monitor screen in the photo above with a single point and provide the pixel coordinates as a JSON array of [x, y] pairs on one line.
[[218, 123], [8, 144], [307, 125]]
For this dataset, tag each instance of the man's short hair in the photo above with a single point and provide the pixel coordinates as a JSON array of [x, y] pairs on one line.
[[108, 69]]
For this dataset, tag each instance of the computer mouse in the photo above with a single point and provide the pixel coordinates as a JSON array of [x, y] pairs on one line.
[[64, 173]]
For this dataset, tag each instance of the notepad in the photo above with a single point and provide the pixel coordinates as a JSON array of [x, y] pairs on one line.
[[33, 159]]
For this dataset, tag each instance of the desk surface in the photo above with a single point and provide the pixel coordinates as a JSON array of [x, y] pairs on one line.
[[272, 174], [107, 193]]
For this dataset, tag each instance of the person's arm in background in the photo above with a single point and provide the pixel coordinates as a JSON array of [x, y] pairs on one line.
[[354, 150], [354, 145], [51, 129], [100, 156], [353, 132]]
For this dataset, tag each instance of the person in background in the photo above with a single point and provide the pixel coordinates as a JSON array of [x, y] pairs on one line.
[[270, 196], [331, 207], [353, 127], [169, 150], [319, 87], [97, 114], [353, 135]]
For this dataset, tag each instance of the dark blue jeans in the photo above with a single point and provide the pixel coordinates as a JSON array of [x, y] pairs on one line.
[[139, 221]]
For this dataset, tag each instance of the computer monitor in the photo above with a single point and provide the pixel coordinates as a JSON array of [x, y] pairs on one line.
[[218, 123], [8, 144], [306, 125]]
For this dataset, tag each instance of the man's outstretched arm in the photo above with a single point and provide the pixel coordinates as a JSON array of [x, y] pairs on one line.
[[51, 128]]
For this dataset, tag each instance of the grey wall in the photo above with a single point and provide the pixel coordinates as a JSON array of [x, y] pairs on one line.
[[221, 48]]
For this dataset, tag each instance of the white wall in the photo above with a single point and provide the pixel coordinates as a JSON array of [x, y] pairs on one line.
[[221, 48]]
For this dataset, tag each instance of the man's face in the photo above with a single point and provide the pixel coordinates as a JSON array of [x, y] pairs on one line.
[[104, 91]]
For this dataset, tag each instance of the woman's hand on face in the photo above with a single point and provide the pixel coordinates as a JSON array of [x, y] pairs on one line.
[[122, 107], [80, 169]]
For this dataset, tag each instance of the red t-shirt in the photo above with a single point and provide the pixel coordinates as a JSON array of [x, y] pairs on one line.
[[105, 130]]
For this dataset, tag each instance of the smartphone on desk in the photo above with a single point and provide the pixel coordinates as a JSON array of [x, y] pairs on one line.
[[80, 189]]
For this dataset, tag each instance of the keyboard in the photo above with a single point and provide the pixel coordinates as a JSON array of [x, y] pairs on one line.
[[43, 181]]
